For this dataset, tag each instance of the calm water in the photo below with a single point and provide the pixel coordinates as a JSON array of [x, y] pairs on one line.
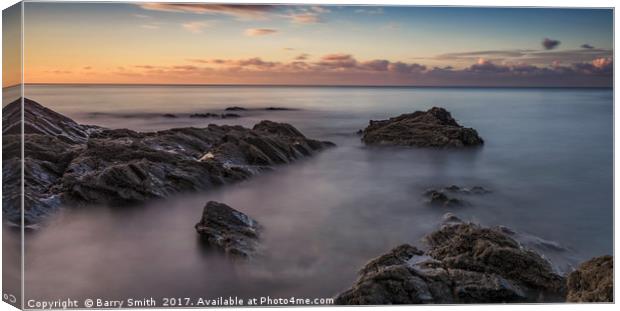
[[548, 158]]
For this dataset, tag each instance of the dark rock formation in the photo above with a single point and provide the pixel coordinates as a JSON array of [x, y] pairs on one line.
[[279, 109], [229, 115], [204, 115], [433, 128], [465, 263], [214, 115], [463, 190], [43, 121], [438, 198], [78, 164], [229, 230], [235, 108], [593, 281]]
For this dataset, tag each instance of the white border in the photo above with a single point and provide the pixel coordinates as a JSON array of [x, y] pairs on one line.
[[494, 3]]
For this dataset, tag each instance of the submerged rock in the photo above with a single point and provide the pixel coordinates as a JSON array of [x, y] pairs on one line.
[[465, 263], [229, 230], [438, 198], [593, 281], [236, 108], [433, 128], [210, 115], [204, 115], [76, 164]]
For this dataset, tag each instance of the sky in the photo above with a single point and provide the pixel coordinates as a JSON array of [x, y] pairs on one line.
[[172, 43]]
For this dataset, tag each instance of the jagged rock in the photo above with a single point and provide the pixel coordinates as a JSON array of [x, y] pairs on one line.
[[76, 164], [593, 281], [229, 230], [465, 263], [41, 120], [433, 128], [475, 248]]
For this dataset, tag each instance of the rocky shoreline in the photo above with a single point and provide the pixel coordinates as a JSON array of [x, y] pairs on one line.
[[73, 164], [468, 263]]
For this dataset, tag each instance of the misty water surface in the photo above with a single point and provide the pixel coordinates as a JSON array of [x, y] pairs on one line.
[[548, 159]]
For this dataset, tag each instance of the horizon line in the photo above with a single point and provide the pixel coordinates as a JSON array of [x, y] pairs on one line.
[[306, 85]]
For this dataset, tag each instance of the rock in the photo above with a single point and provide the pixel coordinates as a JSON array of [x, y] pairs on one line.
[[204, 115], [279, 109], [465, 263], [229, 230], [43, 121], [89, 165], [229, 115], [475, 248], [236, 108], [593, 281], [438, 198], [214, 115], [433, 128], [449, 218]]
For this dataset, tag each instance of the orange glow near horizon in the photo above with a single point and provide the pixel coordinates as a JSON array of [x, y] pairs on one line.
[[122, 43]]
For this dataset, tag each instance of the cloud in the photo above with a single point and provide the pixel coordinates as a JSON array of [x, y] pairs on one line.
[[254, 32], [320, 9], [486, 54], [141, 16], [586, 46], [550, 44], [539, 57], [343, 68], [59, 72], [370, 10], [87, 67], [149, 26], [196, 26], [238, 11], [305, 18], [302, 56]]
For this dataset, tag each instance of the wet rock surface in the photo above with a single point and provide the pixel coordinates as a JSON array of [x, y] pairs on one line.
[[592, 281], [77, 164], [432, 128], [229, 230], [465, 263]]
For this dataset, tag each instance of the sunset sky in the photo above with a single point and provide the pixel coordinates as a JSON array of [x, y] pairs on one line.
[[316, 45]]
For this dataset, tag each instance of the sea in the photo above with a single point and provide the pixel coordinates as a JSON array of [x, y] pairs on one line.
[[547, 160]]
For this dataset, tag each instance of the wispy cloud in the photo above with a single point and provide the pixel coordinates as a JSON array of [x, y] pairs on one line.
[[305, 18], [238, 11], [196, 26], [254, 32], [302, 56], [149, 26]]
